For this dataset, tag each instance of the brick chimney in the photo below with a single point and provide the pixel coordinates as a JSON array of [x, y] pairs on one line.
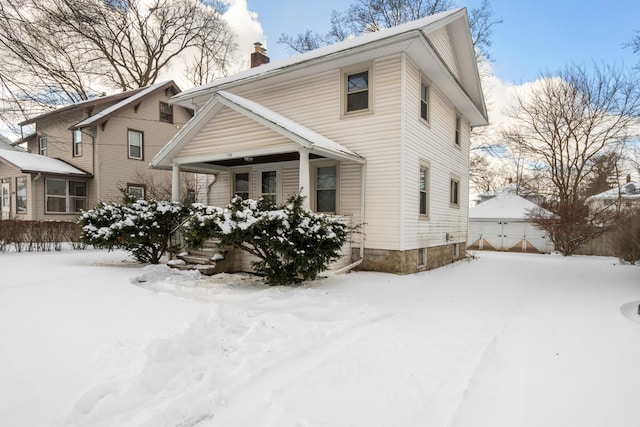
[[259, 57]]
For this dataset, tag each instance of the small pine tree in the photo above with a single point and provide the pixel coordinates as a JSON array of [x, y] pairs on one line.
[[293, 244], [142, 227]]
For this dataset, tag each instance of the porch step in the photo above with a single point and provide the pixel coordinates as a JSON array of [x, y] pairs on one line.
[[205, 259]]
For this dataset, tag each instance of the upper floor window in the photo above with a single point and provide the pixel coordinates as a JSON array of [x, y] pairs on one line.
[[65, 196], [241, 185], [135, 144], [424, 101], [356, 89], [166, 112], [43, 145], [77, 142], [424, 190], [458, 123]]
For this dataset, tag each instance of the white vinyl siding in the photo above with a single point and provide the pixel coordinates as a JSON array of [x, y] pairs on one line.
[[433, 145], [442, 42]]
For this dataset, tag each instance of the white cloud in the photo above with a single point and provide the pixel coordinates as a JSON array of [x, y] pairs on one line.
[[247, 28]]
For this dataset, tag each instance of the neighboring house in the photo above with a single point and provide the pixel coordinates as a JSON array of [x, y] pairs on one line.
[[501, 224], [88, 151], [5, 144], [625, 196], [374, 129]]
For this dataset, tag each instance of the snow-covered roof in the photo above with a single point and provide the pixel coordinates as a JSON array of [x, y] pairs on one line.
[[462, 91], [302, 135], [503, 206], [5, 144], [630, 190], [35, 163]]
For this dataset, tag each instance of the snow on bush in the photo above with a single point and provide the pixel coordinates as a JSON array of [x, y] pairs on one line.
[[142, 227], [293, 244]]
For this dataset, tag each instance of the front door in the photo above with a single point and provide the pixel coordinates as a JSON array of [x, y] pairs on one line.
[[5, 200]]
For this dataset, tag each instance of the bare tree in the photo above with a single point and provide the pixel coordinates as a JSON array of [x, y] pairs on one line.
[[563, 125], [365, 16], [62, 51]]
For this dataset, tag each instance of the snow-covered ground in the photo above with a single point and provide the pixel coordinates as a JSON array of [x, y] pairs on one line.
[[504, 340]]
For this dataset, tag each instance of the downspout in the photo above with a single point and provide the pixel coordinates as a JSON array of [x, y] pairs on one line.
[[351, 266], [208, 185]]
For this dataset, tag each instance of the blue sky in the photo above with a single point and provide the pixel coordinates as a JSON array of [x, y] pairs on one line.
[[534, 36]]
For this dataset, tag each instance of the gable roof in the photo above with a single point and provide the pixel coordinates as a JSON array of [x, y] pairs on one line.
[[35, 163], [628, 191], [504, 205], [465, 92], [301, 135], [122, 100]]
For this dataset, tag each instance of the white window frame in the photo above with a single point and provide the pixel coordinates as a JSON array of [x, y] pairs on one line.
[[314, 185], [426, 167], [425, 100], [131, 132], [233, 181], [19, 197], [67, 197], [454, 191], [458, 130], [43, 145], [77, 142], [422, 257], [278, 193], [136, 187], [344, 88]]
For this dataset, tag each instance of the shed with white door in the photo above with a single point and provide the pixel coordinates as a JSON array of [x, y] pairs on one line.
[[501, 224]]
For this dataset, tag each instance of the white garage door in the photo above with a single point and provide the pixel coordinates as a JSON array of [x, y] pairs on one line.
[[506, 235]]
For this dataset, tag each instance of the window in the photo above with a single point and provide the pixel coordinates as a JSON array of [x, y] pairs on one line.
[[134, 139], [356, 89], [326, 189], [43, 145], [422, 257], [241, 185], [457, 137], [136, 191], [21, 194], [166, 112], [424, 101], [424, 190], [77, 143], [269, 185], [65, 196], [454, 198]]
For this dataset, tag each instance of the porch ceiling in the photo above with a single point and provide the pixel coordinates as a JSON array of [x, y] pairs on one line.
[[258, 160]]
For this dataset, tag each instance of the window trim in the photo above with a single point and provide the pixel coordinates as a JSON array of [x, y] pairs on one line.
[[239, 171], [427, 85], [143, 187], [43, 148], [67, 196], [426, 166], [315, 165], [458, 130], [278, 171], [129, 131], [76, 145], [421, 258], [454, 179], [344, 75]]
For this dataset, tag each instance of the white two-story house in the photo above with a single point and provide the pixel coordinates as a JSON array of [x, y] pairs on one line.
[[375, 129]]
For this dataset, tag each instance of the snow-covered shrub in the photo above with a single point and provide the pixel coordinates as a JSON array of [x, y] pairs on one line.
[[293, 244], [141, 227]]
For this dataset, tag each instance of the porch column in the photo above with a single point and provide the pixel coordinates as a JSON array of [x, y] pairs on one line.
[[175, 183], [305, 179]]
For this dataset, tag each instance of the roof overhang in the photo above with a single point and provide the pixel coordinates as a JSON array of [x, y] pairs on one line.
[[36, 164]]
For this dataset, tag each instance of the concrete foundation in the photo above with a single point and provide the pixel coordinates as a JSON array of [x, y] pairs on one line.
[[406, 262]]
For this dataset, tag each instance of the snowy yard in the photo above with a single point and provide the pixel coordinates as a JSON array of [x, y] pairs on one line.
[[504, 340]]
